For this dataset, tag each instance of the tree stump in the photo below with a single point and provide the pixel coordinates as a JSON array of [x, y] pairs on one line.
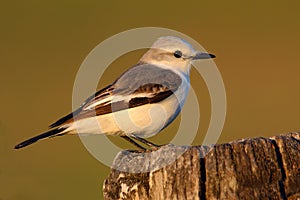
[[258, 168]]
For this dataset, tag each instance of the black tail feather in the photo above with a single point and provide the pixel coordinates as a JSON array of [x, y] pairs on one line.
[[50, 133]]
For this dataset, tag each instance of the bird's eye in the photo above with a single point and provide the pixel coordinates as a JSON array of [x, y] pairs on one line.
[[178, 54]]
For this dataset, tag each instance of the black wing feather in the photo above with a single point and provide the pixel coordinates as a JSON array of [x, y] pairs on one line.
[[79, 110]]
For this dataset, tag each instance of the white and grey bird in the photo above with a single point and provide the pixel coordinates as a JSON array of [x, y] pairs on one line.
[[141, 102]]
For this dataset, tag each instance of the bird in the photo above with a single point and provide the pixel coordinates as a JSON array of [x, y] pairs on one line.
[[141, 102]]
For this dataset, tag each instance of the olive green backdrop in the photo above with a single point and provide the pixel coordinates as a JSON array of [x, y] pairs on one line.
[[43, 43]]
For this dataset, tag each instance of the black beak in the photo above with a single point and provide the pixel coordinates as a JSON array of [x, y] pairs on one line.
[[200, 55]]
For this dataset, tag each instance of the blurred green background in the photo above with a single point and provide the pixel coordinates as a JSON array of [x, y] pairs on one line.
[[43, 43]]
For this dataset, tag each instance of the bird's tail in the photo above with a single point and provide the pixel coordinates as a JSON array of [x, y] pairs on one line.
[[51, 133]]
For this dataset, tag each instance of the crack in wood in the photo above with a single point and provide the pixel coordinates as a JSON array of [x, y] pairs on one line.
[[203, 179], [282, 170]]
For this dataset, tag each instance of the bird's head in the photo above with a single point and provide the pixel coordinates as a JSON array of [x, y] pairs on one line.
[[173, 52]]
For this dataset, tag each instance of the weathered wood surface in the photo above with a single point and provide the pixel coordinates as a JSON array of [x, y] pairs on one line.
[[259, 168]]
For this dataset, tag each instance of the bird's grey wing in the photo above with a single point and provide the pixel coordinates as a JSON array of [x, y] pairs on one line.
[[142, 84], [144, 74]]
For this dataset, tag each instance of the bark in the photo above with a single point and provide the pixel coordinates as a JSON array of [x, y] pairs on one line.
[[258, 168]]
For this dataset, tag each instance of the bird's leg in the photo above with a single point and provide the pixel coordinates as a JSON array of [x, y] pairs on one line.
[[142, 140], [133, 142]]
